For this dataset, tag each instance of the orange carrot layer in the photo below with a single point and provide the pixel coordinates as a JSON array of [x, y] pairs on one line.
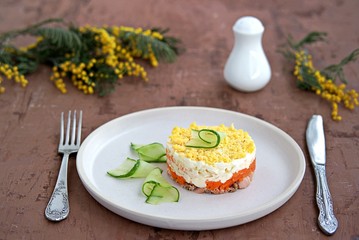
[[237, 177], [175, 177]]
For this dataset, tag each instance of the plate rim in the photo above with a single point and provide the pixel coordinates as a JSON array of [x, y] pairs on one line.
[[188, 224]]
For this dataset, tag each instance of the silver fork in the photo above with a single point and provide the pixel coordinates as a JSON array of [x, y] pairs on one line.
[[58, 207]]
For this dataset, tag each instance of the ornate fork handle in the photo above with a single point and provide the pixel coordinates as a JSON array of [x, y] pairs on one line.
[[326, 219], [58, 207]]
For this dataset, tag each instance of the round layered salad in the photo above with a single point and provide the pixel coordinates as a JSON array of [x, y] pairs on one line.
[[211, 159]]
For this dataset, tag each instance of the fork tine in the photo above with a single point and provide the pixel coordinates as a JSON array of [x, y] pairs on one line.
[[62, 129], [79, 130], [73, 135], [67, 140]]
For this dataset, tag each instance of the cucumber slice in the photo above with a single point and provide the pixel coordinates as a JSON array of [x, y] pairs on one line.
[[209, 136], [162, 194], [132, 168], [157, 189], [136, 146], [143, 169], [154, 177], [147, 187], [126, 169], [204, 138], [153, 152]]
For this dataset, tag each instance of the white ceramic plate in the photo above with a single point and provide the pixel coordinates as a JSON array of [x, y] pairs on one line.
[[280, 170]]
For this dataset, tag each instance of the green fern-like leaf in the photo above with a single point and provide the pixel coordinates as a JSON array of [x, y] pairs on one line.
[[161, 49], [309, 81], [60, 37], [312, 37], [335, 71], [5, 56], [28, 30]]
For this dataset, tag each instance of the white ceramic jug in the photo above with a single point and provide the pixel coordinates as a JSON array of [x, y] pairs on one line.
[[247, 68]]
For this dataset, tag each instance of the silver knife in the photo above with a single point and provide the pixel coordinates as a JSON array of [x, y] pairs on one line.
[[316, 145]]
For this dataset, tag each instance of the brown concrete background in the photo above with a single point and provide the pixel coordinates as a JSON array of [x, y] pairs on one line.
[[29, 117]]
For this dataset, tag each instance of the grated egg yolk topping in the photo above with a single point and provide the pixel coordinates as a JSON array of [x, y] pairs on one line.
[[235, 145]]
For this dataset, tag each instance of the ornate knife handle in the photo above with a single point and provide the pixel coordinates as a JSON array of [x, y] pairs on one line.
[[326, 219], [58, 207]]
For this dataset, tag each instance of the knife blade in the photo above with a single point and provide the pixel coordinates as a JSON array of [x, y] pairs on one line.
[[316, 146]]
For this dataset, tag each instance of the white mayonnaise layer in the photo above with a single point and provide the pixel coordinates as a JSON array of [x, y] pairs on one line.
[[198, 172]]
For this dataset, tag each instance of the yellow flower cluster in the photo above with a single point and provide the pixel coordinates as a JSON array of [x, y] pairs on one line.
[[325, 88], [134, 51], [11, 72], [80, 75], [109, 52], [92, 58]]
